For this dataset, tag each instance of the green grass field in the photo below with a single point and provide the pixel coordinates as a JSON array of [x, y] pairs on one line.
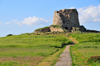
[[44, 49], [30, 50], [88, 46]]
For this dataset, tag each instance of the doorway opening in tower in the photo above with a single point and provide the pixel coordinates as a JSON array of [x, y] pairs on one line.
[[66, 28]]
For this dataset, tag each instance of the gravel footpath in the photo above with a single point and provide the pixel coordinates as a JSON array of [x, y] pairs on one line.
[[65, 58]]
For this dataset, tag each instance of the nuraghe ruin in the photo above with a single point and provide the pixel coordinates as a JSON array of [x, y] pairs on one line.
[[67, 19]]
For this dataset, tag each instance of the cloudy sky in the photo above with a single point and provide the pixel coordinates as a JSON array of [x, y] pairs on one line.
[[24, 16]]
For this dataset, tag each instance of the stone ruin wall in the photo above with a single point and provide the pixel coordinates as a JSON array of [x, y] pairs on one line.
[[67, 18]]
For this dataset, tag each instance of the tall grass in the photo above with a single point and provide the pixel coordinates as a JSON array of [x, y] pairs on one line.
[[87, 37], [89, 46]]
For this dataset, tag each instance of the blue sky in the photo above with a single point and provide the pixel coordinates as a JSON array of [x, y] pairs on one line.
[[24, 16]]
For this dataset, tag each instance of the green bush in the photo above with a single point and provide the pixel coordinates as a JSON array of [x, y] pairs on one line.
[[9, 35]]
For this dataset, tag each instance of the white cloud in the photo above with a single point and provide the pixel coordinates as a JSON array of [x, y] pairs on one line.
[[19, 23], [33, 21], [0, 22], [7, 23], [89, 14], [72, 8], [13, 20]]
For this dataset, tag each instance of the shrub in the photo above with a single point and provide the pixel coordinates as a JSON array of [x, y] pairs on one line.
[[94, 59], [9, 35]]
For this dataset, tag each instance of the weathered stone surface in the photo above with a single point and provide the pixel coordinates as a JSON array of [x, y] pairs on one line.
[[57, 19], [45, 30], [54, 29], [67, 18]]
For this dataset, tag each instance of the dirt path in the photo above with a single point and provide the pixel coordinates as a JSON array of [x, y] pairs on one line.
[[65, 58], [73, 40]]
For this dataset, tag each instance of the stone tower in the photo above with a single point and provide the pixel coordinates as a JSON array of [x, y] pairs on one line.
[[67, 18]]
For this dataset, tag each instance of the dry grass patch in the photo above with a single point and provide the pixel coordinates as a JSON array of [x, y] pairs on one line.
[[23, 61], [73, 40]]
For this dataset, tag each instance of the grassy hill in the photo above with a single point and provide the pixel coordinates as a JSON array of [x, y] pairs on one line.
[[30, 50]]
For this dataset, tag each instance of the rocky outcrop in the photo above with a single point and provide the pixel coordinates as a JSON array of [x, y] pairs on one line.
[[82, 29], [67, 18], [45, 29], [49, 29], [55, 29]]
